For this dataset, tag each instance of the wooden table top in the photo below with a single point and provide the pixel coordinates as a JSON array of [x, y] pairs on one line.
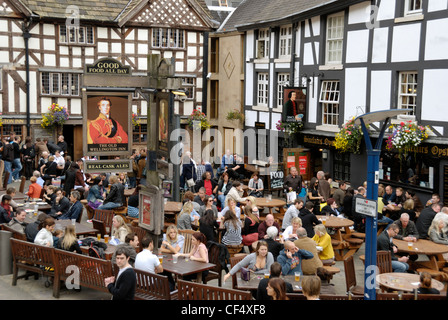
[[401, 281], [265, 202], [19, 195], [173, 207], [422, 246], [255, 279], [335, 222], [183, 268], [81, 229]]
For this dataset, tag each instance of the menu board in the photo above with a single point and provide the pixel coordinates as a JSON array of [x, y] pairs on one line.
[[276, 176]]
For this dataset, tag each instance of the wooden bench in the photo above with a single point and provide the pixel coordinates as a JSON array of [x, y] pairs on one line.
[[151, 286], [15, 234], [195, 291], [435, 274], [91, 271], [34, 258], [300, 296]]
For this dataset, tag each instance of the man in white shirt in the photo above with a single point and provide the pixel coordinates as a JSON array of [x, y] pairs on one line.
[[146, 260], [59, 159]]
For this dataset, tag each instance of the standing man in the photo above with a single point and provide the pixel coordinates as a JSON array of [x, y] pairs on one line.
[[17, 163], [339, 195], [293, 181], [123, 287], [324, 185], [62, 144]]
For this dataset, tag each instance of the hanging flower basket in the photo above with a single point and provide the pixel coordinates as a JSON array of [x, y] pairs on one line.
[[235, 114], [348, 139], [135, 120], [1, 120], [406, 136], [290, 128], [198, 120], [55, 117]]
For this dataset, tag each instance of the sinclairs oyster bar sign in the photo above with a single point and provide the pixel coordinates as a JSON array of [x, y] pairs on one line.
[[108, 66]]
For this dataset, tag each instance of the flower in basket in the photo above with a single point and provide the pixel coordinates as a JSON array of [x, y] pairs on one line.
[[135, 120], [235, 114], [1, 120], [198, 120], [348, 139], [56, 116], [290, 128], [406, 135]]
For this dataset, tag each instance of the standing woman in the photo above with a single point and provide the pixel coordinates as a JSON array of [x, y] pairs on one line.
[[69, 242], [232, 224], [259, 261], [45, 235], [28, 154], [313, 194], [276, 289]]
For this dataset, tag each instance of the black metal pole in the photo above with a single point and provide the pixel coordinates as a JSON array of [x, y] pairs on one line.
[[26, 37]]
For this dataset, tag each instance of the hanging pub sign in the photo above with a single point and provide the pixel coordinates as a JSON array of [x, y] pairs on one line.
[[108, 66], [107, 127], [294, 106]]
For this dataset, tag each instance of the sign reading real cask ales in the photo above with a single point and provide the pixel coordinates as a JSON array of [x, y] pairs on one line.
[[108, 66], [98, 166]]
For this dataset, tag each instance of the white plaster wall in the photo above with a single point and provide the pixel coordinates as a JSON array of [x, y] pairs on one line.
[[313, 101], [406, 43], [437, 5], [308, 54], [386, 10], [357, 46], [264, 117], [249, 84], [436, 47], [355, 90], [379, 47], [250, 41], [359, 13], [380, 90], [434, 95]]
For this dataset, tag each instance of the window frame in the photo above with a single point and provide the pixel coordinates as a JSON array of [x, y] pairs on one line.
[[263, 36], [263, 92], [71, 35], [158, 34], [330, 40], [54, 87], [410, 7], [285, 42], [413, 86], [330, 88], [280, 87]]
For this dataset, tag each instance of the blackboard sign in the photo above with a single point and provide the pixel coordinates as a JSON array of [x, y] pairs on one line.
[[276, 177]]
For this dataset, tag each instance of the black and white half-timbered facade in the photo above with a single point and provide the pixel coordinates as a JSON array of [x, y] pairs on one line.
[[353, 57], [45, 46]]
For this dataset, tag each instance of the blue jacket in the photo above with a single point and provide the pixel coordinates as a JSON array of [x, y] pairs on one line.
[[290, 266], [74, 211]]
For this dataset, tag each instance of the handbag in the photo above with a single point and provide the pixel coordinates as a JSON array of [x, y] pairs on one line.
[[245, 274], [190, 182]]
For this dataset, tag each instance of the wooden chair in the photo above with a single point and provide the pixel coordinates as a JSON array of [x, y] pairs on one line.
[[106, 216], [100, 226], [384, 261], [395, 296], [233, 262], [187, 233], [213, 257], [350, 277], [295, 296], [151, 286], [195, 291], [233, 249], [141, 233], [22, 184]]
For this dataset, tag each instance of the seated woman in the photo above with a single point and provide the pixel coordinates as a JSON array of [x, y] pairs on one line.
[[258, 262], [208, 225], [187, 216], [49, 194], [323, 240], [208, 200], [69, 242], [232, 224], [119, 230], [255, 186], [437, 231], [198, 252], [45, 235], [133, 206], [425, 284], [290, 232], [172, 241], [224, 185], [35, 189], [250, 227], [407, 207], [6, 210], [231, 205], [330, 208], [95, 197]]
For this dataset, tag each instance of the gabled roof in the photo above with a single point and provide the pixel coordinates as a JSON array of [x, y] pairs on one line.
[[251, 13]]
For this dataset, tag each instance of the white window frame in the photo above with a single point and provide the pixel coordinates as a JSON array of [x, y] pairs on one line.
[[262, 89], [334, 38], [413, 7], [76, 35], [282, 80], [59, 84], [329, 98], [407, 90], [262, 45], [189, 83], [168, 38], [285, 42]]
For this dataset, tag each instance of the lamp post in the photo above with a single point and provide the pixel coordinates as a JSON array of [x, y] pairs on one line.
[[373, 157]]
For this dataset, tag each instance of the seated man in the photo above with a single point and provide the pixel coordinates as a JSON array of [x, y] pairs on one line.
[[263, 227], [115, 198], [384, 243], [76, 208], [131, 244], [146, 260], [60, 204], [18, 222], [291, 258], [276, 271]]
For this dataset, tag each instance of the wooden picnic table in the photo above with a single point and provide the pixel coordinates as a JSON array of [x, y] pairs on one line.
[[19, 196], [433, 250], [80, 228], [45, 207], [401, 281], [272, 204], [184, 268]]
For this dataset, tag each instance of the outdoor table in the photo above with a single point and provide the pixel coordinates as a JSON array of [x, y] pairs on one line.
[[344, 248], [43, 206], [402, 281], [184, 268], [433, 250], [255, 279], [80, 229], [271, 204], [19, 196]]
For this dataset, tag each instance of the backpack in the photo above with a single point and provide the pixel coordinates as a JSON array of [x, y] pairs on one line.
[[8, 152], [97, 252]]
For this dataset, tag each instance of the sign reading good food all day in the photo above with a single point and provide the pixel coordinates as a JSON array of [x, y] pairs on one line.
[[108, 66]]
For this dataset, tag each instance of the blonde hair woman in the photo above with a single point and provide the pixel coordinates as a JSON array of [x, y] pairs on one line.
[[69, 242], [323, 240], [187, 216], [291, 231], [173, 242], [119, 228]]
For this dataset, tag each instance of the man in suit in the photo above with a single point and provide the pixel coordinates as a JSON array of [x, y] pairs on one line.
[[123, 287]]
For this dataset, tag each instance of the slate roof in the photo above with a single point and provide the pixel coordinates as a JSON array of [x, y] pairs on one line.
[[270, 12]]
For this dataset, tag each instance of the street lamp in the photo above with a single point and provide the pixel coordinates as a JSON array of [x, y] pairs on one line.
[[373, 157]]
